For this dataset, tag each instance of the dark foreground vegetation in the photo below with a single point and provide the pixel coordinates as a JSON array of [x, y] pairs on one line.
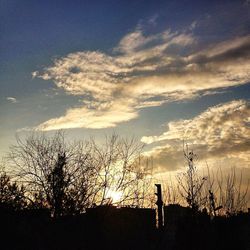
[[108, 227], [55, 195]]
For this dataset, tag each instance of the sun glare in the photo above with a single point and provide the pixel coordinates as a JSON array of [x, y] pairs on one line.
[[115, 196]]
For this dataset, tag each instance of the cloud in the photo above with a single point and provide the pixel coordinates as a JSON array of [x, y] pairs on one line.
[[11, 99], [134, 41], [102, 116], [166, 158], [222, 131], [193, 25], [165, 66], [153, 20]]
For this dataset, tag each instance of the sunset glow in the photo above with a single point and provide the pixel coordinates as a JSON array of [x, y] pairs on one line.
[[125, 124], [115, 196], [166, 72]]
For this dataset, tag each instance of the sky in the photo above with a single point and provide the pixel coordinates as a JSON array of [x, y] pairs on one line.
[[166, 72]]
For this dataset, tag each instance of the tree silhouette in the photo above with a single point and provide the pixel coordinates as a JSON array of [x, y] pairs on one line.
[[232, 195], [11, 195], [68, 177], [56, 174], [58, 184], [121, 168], [190, 184]]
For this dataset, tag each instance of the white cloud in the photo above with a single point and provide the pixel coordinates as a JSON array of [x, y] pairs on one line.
[[103, 116], [11, 99], [133, 41], [228, 121], [161, 66], [220, 132]]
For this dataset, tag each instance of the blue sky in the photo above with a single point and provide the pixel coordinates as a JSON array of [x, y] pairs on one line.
[[143, 68]]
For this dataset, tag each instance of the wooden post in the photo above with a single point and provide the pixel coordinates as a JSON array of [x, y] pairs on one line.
[[159, 204]]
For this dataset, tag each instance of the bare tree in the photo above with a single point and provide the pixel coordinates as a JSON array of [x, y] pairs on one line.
[[171, 193], [55, 173], [190, 184], [68, 177], [121, 170], [232, 195]]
